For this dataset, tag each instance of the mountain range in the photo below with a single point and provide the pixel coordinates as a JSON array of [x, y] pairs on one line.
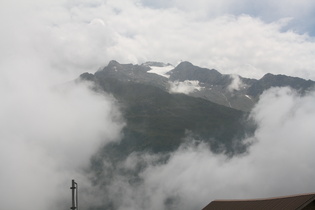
[[164, 106], [161, 104], [228, 90]]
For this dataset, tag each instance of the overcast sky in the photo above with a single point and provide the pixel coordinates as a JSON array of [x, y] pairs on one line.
[[46, 44], [245, 37]]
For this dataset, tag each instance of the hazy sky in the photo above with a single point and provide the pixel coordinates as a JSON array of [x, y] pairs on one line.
[[44, 119]]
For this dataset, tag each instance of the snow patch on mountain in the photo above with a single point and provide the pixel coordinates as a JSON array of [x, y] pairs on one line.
[[248, 97], [186, 87], [161, 70]]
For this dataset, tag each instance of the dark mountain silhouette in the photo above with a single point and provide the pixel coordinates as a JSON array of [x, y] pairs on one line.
[[158, 120], [270, 80]]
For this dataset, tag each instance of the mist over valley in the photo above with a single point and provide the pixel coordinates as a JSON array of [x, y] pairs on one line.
[[155, 104]]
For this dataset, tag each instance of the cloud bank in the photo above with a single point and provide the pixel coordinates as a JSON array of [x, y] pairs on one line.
[[50, 126], [48, 134]]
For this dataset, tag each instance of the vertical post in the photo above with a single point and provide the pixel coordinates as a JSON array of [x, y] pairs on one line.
[[76, 197], [74, 189]]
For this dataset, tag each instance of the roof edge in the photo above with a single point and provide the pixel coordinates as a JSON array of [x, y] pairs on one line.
[[306, 203], [271, 198]]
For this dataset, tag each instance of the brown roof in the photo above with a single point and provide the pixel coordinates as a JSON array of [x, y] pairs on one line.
[[294, 202]]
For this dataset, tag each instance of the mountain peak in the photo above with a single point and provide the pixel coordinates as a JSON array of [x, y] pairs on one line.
[[184, 64], [113, 63]]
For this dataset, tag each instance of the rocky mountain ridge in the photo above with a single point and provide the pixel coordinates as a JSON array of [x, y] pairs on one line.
[[161, 103], [231, 91], [157, 120]]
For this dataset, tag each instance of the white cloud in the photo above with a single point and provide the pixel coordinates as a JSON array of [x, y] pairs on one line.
[[232, 44], [50, 127], [48, 135], [161, 70], [236, 83], [129, 32], [186, 87]]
